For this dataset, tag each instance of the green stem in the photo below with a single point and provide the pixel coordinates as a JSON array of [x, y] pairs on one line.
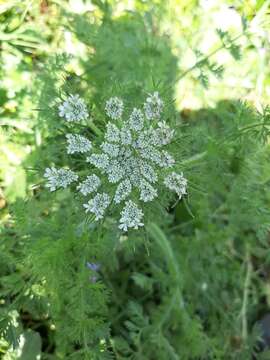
[[245, 295], [223, 46], [251, 126], [95, 129], [194, 158]]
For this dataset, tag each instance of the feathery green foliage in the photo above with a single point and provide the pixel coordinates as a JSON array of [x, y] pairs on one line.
[[192, 283]]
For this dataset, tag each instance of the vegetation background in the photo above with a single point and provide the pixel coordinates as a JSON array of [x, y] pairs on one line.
[[197, 286]]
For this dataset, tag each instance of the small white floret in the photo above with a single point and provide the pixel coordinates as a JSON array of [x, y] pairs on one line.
[[147, 191], [98, 205], [114, 171], [166, 159], [148, 172], [131, 216], [163, 135], [136, 120], [112, 133], [73, 109], [111, 149], [89, 185], [101, 161], [77, 144], [59, 178], [125, 135], [122, 191], [114, 108], [153, 106], [177, 183]]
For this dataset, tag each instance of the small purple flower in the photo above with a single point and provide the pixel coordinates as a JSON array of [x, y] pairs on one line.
[[93, 267]]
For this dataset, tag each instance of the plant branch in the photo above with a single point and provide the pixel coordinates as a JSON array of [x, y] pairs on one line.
[[246, 294]]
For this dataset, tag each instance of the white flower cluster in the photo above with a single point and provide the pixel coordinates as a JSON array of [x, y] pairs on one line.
[[136, 120], [59, 178], [77, 144], [176, 182], [131, 160], [153, 106], [98, 205], [114, 108], [73, 109], [131, 216], [89, 185]]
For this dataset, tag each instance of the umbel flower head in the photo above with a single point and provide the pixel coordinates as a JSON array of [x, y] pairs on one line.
[[59, 178], [73, 109], [77, 144], [128, 167], [114, 108]]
